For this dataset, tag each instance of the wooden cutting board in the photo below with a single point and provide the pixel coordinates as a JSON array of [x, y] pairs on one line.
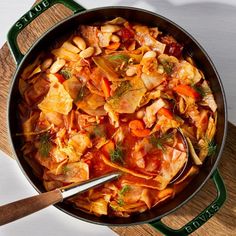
[[223, 223]]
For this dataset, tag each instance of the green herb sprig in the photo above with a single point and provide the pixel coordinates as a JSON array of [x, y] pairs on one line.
[[211, 148], [124, 190], [82, 93], [119, 57], [122, 89], [121, 202], [160, 141], [121, 194], [200, 90], [168, 66], [45, 144], [117, 155], [65, 73]]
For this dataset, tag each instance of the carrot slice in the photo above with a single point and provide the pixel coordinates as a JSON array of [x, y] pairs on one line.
[[136, 124], [166, 112], [105, 87], [141, 132], [187, 91], [137, 128], [113, 46]]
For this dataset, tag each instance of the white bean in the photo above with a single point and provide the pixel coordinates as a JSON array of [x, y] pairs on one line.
[[88, 52], [140, 114], [46, 64], [57, 65], [110, 28], [149, 54], [70, 47], [115, 38], [79, 42], [131, 71]]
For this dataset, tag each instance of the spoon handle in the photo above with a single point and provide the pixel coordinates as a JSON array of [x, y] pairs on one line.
[[18, 209]]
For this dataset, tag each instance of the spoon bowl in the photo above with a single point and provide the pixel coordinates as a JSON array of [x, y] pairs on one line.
[[182, 171]]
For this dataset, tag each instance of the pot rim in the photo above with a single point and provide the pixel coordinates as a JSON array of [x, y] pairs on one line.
[[57, 25]]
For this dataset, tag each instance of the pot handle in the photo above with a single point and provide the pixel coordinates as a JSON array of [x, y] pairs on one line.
[[203, 217], [28, 17]]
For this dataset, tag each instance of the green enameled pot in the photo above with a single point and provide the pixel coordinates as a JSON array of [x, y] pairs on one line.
[[208, 172]]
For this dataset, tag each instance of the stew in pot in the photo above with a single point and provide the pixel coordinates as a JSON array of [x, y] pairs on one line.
[[111, 97]]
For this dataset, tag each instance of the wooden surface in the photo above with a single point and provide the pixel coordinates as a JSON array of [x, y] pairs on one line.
[[223, 223]]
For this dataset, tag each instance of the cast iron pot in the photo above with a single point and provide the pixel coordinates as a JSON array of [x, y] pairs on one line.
[[192, 48]]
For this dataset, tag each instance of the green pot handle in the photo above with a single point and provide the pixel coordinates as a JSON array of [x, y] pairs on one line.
[[203, 217], [28, 17]]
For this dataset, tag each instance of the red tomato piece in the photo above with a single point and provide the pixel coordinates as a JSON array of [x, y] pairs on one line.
[[174, 49], [105, 87], [126, 34], [60, 77]]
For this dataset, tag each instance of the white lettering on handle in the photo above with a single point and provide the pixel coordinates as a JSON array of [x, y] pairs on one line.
[[201, 219], [32, 13]]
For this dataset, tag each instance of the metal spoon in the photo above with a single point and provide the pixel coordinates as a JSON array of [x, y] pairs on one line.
[[16, 210], [180, 173]]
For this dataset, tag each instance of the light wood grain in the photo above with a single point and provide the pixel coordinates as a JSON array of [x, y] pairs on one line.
[[19, 209], [223, 223]]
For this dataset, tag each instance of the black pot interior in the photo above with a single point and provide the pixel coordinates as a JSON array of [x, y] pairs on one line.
[[191, 48]]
